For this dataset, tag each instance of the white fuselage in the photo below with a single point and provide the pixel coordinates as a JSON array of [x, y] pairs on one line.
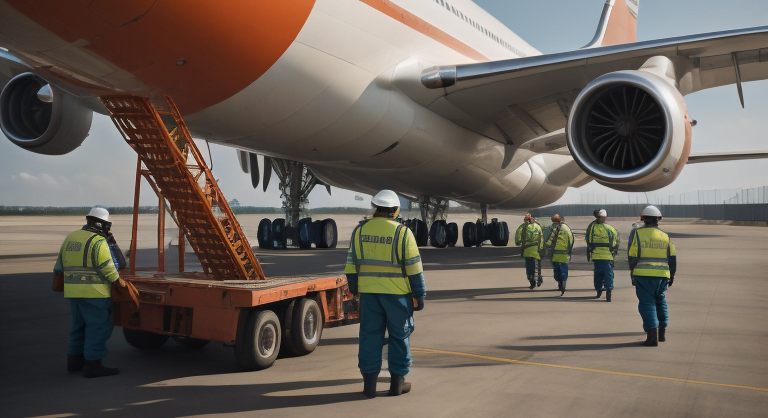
[[338, 100]]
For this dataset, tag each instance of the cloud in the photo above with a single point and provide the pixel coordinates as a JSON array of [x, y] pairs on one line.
[[27, 177]]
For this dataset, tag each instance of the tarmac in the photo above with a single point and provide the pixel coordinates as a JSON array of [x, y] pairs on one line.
[[485, 345]]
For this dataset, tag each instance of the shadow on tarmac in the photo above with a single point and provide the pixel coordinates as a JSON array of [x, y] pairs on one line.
[[569, 347], [576, 336]]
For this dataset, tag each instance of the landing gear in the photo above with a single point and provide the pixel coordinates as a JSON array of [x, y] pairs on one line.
[[441, 233], [296, 183], [474, 234], [275, 235]]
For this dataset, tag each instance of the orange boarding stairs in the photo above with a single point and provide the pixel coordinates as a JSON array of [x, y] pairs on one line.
[[188, 185]]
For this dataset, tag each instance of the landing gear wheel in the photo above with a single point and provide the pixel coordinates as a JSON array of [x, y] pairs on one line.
[[144, 340], [306, 326], [190, 343], [453, 234], [419, 229], [258, 343], [305, 234], [438, 234], [328, 234], [278, 234], [499, 234], [482, 234], [469, 234], [264, 234], [317, 232]]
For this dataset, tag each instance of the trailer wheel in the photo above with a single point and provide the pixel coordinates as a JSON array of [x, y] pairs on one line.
[[286, 344], [306, 326], [144, 340], [190, 343], [264, 234], [258, 344]]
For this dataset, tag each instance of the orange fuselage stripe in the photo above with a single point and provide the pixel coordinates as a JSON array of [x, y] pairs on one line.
[[414, 22]]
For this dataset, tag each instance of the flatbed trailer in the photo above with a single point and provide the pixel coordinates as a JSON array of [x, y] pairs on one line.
[[231, 300], [258, 317]]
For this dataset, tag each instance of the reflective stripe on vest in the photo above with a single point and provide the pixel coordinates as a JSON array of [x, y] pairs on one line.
[[653, 248], [386, 276]]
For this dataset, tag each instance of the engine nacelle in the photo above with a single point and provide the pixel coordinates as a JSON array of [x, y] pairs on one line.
[[55, 125], [630, 130]]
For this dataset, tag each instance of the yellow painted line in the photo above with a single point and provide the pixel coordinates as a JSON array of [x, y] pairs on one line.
[[531, 363]]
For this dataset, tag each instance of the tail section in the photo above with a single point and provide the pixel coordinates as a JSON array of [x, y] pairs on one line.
[[618, 24]]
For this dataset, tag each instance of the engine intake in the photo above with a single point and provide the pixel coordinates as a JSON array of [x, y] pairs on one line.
[[630, 131], [55, 125]]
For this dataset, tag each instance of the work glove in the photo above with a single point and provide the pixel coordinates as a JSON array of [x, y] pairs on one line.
[[670, 280], [418, 303]]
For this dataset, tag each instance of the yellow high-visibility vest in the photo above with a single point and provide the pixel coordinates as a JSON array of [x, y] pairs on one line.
[[530, 238], [652, 248], [561, 242], [383, 253], [602, 239], [86, 262]]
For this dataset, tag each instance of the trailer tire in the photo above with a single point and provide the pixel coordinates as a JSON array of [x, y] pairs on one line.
[[286, 344], [306, 326], [264, 234], [190, 343], [258, 343], [144, 340]]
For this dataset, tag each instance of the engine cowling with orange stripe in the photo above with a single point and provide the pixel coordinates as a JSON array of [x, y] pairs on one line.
[[630, 130]]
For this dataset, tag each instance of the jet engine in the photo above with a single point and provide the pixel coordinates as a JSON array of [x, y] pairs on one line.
[[42, 118], [630, 130]]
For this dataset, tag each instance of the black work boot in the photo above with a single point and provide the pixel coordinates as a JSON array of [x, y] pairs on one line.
[[398, 385], [599, 293], [533, 282], [662, 334], [540, 281], [562, 287], [369, 384], [75, 363], [608, 295], [93, 368], [653, 337]]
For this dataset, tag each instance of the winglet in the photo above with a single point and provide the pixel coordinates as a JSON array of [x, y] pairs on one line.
[[618, 24]]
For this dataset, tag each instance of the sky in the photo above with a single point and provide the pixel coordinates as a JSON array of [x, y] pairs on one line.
[[102, 170]]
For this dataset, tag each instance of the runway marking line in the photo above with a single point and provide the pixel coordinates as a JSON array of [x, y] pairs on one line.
[[531, 363]]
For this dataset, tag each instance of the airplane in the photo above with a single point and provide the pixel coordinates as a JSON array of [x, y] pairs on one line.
[[435, 99]]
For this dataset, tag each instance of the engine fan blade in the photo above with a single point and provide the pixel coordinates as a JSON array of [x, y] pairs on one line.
[[254, 160]]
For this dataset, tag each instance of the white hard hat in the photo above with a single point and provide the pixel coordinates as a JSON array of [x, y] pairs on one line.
[[652, 211], [602, 213], [386, 199], [99, 213]]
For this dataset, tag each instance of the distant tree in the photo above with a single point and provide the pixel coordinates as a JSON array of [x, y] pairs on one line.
[[234, 203]]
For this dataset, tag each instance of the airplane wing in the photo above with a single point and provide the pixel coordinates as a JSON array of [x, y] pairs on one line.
[[727, 156], [526, 98]]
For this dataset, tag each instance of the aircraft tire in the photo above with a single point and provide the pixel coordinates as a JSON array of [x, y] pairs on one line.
[[264, 234], [305, 233], [469, 234], [453, 234], [329, 234], [438, 234], [278, 234]]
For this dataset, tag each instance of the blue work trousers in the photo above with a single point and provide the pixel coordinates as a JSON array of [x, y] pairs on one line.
[[380, 312], [530, 267], [603, 274], [91, 327], [560, 271], [652, 303]]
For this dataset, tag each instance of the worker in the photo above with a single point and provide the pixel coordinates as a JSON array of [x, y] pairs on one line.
[[88, 270], [560, 245], [529, 237], [384, 267], [652, 263], [602, 246]]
